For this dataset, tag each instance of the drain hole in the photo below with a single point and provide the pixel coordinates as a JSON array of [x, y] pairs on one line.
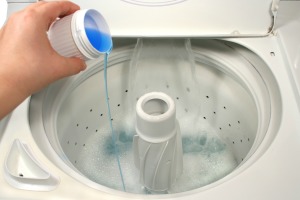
[[21, 175]]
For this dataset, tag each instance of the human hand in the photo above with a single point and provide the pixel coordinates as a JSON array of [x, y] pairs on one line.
[[27, 61]]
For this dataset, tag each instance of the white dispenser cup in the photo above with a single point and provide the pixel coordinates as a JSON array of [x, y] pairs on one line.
[[84, 34], [157, 147]]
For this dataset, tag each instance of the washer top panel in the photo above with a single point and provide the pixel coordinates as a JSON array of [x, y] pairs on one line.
[[180, 18], [3, 11]]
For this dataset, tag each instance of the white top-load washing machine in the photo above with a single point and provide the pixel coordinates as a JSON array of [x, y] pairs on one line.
[[232, 70]]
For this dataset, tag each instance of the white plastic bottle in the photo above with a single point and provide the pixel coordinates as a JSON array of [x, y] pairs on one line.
[[84, 34]]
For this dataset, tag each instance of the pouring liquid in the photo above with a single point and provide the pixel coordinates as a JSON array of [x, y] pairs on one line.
[[113, 134]]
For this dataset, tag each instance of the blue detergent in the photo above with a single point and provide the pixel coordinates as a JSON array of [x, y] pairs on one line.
[[103, 43], [98, 39], [114, 137]]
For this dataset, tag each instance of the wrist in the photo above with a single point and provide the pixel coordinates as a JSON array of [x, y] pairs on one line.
[[10, 95]]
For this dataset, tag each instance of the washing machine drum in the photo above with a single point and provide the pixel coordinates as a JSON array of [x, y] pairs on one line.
[[222, 97]]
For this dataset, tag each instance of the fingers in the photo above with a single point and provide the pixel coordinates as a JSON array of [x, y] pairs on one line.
[[72, 66]]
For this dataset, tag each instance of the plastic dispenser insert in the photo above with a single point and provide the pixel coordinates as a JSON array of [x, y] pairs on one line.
[[157, 146]]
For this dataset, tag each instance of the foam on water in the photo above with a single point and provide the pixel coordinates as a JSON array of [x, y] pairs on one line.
[[206, 159]]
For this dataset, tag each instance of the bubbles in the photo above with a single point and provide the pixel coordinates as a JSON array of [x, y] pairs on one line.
[[206, 159]]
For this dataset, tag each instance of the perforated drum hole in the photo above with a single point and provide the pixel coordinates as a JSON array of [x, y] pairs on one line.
[[188, 89], [241, 141], [272, 53], [119, 105], [207, 97], [86, 127], [214, 112], [21, 175], [75, 143], [229, 125], [91, 110], [177, 98], [204, 117], [224, 107], [186, 110], [101, 115], [126, 91]]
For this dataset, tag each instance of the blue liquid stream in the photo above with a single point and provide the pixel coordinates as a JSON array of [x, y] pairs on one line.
[[114, 137]]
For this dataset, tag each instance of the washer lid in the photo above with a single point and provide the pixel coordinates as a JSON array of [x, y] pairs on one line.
[[191, 18]]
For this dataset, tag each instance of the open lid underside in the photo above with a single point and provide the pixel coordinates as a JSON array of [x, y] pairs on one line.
[[190, 18]]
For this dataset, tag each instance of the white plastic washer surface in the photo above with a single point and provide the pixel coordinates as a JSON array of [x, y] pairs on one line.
[[3, 12]]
